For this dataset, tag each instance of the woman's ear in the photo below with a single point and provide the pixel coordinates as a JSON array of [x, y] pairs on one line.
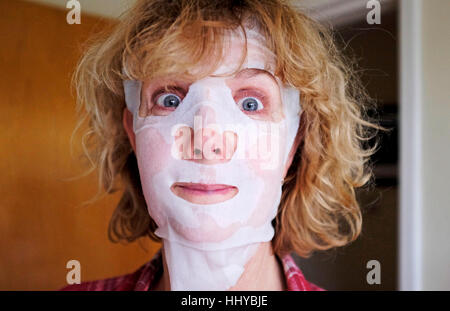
[[128, 126]]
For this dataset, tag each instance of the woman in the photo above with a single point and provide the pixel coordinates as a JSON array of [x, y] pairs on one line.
[[236, 131]]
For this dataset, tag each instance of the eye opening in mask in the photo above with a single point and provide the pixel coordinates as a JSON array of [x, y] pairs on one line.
[[255, 91]]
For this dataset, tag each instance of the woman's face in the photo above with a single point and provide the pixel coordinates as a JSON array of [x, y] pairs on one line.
[[212, 153]]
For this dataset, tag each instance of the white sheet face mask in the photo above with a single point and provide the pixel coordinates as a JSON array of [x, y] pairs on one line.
[[211, 171]]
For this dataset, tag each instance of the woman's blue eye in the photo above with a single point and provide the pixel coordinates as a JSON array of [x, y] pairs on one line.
[[250, 104], [168, 101]]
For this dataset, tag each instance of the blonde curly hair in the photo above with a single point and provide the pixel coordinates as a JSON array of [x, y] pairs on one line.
[[318, 209]]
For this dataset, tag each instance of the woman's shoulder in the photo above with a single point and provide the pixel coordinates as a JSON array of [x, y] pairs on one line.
[[141, 279]]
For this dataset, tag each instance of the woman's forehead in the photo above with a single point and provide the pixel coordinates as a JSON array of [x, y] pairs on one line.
[[235, 53], [239, 54]]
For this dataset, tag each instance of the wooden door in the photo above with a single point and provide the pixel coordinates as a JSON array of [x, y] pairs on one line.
[[43, 222]]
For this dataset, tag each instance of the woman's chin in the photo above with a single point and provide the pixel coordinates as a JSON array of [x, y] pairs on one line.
[[207, 231]]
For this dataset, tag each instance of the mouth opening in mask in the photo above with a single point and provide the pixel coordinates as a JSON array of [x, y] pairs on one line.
[[199, 193]]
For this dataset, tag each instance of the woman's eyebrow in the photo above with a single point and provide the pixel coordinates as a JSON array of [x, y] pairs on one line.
[[253, 72]]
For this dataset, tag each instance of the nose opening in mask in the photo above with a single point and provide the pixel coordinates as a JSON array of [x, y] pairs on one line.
[[207, 141]]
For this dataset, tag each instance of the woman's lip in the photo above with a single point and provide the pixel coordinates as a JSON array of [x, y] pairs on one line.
[[203, 187], [198, 193]]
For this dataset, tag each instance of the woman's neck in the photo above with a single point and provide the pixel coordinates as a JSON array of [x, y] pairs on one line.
[[262, 272]]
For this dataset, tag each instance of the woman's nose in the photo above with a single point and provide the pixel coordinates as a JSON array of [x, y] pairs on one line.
[[207, 142], [211, 144]]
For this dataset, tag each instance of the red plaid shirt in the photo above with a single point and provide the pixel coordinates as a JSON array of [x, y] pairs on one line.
[[146, 277]]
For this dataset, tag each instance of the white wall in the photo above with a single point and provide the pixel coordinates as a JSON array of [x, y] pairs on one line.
[[436, 144], [425, 145]]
